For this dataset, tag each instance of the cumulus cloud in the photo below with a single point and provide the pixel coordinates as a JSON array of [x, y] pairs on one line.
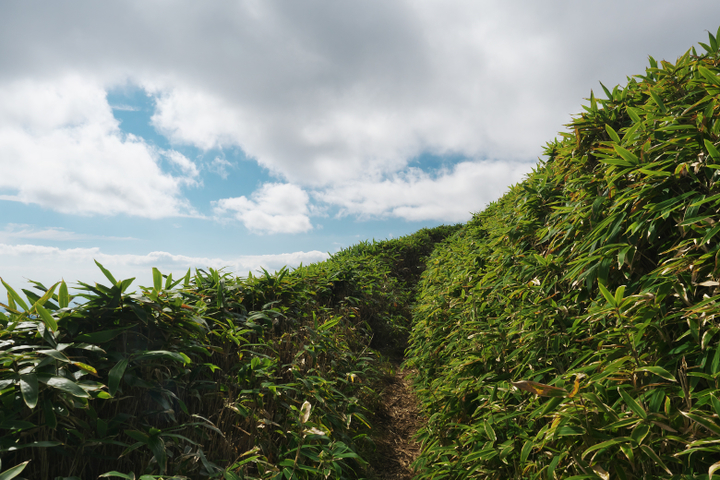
[[61, 148], [27, 261], [321, 94], [451, 195], [273, 208]]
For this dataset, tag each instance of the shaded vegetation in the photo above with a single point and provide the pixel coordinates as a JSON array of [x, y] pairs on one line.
[[208, 376], [570, 330]]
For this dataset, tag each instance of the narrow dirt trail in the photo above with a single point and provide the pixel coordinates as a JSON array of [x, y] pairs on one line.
[[396, 420]]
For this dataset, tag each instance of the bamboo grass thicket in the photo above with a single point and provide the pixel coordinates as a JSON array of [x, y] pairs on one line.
[[206, 376], [570, 330]]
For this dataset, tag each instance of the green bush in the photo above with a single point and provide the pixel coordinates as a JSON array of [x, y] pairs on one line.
[[570, 329], [208, 376]]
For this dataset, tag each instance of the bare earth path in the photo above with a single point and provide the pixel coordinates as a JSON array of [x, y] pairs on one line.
[[397, 421]]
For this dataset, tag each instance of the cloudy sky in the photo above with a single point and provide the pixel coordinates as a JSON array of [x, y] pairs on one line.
[[264, 133]]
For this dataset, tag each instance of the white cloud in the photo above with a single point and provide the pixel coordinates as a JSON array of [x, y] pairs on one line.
[[14, 231], [450, 196], [125, 108], [187, 167], [61, 148], [332, 97], [220, 166], [273, 208], [323, 94], [50, 264], [196, 117]]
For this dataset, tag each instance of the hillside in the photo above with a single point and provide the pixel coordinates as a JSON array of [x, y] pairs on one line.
[[570, 329]]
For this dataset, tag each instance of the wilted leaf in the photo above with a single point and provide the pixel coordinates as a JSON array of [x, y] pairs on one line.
[[540, 389]]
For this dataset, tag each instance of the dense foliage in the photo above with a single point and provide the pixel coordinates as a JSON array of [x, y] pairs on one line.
[[208, 376], [570, 330]]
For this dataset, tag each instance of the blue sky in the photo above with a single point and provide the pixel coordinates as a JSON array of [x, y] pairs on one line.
[[249, 134]]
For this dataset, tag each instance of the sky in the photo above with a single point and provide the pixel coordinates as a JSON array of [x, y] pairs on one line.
[[257, 134]]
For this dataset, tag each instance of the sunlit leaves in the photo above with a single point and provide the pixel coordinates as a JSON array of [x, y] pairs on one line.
[[594, 293], [143, 373]]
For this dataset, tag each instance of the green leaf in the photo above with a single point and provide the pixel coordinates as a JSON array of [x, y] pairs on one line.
[[632, 404], [490, 432], [608, 296], [608, 94], [632, 112], [706, 47], [553, 466], [107, 273], [626, 155], [46, 317], [714, 153], [63, 296], [328, 324], [709, 76], [102, 336], [709, 235], [617, 161], [157, 279], [160, 354], [607, 443], [126, 476], [658, 101], [138, 436], [29, 389], [715, 403], [67, 386], [526, 449], [157, 447], [619, 295], [651, 453], [115, 375], [705, 422], [40, 444], [13, 294], [569, 430], [640, 432], [659, 371], [655, 173], [14, 471], [49, 411], [126, 283], [46, 296], [613, 134]]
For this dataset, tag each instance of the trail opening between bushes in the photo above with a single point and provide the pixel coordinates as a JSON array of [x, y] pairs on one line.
[[396, 422]]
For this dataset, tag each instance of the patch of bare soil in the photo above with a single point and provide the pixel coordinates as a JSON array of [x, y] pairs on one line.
[[396, 422]]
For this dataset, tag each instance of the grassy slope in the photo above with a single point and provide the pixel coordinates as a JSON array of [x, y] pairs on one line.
[[571, 329], [210, 376]]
